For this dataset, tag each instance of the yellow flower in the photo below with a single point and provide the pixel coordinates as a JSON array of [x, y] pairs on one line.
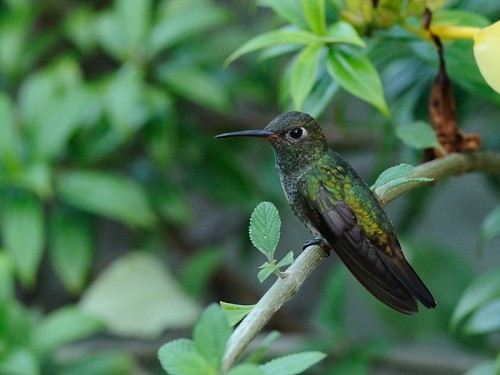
[[487, 54]]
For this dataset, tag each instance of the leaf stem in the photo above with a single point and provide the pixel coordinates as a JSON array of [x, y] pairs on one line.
[[284, 289]]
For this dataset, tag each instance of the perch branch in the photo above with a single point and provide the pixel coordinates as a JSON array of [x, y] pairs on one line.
[[297, 273]]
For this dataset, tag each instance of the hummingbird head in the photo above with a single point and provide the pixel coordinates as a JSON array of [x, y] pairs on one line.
[[296, 138]]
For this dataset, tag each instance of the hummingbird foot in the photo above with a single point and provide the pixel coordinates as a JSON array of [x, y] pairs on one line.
[[318, 242]]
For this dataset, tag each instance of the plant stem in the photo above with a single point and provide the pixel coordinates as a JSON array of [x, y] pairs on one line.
[[297, 273]]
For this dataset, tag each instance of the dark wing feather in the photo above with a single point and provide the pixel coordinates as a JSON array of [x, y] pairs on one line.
[[389, 278]]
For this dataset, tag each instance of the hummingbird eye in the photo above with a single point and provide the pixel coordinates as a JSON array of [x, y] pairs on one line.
[[297, 133]]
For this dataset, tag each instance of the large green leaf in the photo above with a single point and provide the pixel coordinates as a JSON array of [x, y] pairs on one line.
[[304, 73], [71, 248], [180, 357], [292, 364], [23, 235], [19, 362], [106, 194], [134, 18], [274, 38], [314, 11], [290, 10], [9, 140], [137, 296], [419, 135], [357, 75], [343, 32]]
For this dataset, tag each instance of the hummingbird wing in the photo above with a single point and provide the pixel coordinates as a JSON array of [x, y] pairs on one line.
[[370, 251]]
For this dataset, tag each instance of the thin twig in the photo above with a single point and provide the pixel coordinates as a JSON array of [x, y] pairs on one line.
[[297, 273]]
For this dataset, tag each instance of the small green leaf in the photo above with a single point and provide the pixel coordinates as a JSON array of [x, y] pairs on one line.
[[100, 363], [6, 278], [235, 313], [71, 250], [265, 226], [395, 176], [304, 73], [267, 269], [64, 326], [343, 32], [210, 334], [286, 261], [490, 228], [357, 75], [419, 135], [180, 357], [107, 194], [198, 270], [292, 364], [23, 235], [481, 291], [274, 38], [9, 139], [314, 11]]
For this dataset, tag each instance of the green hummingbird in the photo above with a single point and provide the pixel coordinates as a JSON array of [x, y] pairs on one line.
[[329, 197]]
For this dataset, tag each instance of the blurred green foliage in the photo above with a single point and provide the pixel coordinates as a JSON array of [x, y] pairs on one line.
[[107, 111]]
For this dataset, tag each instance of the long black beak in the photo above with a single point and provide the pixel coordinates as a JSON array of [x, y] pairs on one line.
[[248, 133]]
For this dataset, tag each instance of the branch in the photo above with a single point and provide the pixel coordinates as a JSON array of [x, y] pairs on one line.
[[284, 289]]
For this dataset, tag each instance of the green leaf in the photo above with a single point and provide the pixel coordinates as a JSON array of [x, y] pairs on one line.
[[23, 235], [481, 291], [265, 226], [144, 293], [484, 320], [286, 261], [133, 20], [9, 139], [274, 38], [395, 176], [357, 75], [290, 10], [314, 11], [211, 332], [100, 363], [343, 32], [292, 364], [235, 313], [64, 326], [174, 27], [19, 362], [483, 368], [267, 270], [304, 73], [419, 135], [196, 273], [106, 194], [196, 85], [180, 357], [6, 279], [246, 369], [490, 228], [71, 249]]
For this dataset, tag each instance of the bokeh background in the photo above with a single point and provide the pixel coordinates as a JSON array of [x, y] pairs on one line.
[[122, 217]]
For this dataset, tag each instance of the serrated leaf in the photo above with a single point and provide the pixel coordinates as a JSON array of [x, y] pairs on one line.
[[64, 326], [286, 261], [180, 357], [357, 75], [274, 38], [267, 270], [246, 369], [210, 334], [490, 228], [482, 290], [419, 135], [314, 11], [343, 32], [265, 226], [107, 194], [392, 173], [24, 235], [235, 313], [304, 73], [292, 364]]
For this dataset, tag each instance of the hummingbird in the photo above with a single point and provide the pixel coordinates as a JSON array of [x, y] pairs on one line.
[[330, 198]]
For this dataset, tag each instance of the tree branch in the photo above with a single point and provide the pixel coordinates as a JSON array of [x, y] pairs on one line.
[[297, 273]]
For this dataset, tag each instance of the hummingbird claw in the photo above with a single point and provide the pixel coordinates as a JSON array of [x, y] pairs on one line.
[[318, 242]]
